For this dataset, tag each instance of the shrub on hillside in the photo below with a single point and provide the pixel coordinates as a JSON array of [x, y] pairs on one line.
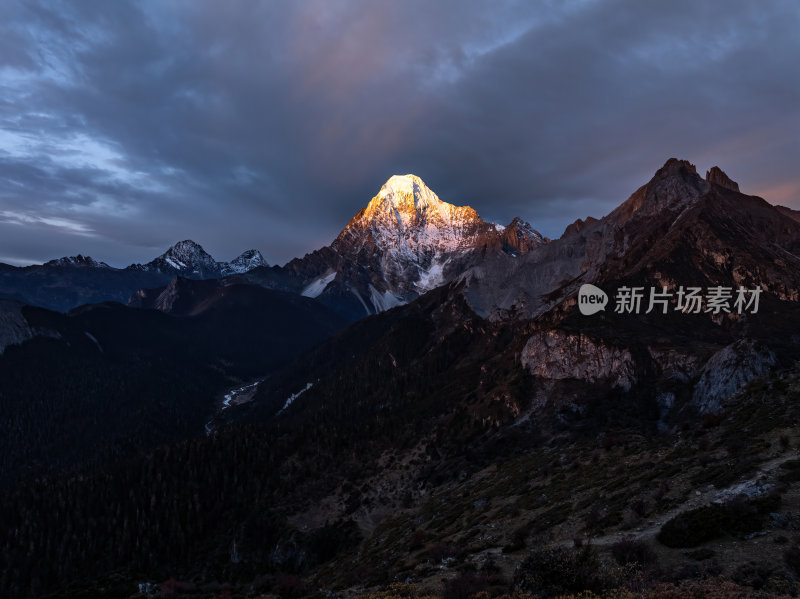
[[398, 591], [633, 551], [554, 571]]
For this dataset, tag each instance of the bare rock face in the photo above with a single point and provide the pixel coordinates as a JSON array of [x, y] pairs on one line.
[[786, 211], [578, 226], [78, 261], [676, 228], [717, 176], [728, 371], [14, 328], [519, 237], [675, 186], [558, 355]]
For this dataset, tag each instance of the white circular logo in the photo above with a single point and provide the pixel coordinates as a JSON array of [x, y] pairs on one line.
[[591, 299]]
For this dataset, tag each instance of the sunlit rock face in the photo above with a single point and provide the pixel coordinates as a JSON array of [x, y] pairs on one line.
[[558, 355], [717, 176]]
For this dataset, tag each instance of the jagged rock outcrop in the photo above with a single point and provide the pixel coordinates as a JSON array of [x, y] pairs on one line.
[[674, 186], [558, 355], [717, 176], [578, 226], [519, 237], [728, 371], [677, 229], [77, 261]]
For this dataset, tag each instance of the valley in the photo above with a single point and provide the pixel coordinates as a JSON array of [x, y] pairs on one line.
[[420, 409]]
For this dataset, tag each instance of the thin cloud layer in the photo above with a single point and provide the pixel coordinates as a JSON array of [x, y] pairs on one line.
[[126, 126]]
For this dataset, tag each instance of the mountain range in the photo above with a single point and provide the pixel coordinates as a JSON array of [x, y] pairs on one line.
[[71, 281], [405, 242], [420, 401]]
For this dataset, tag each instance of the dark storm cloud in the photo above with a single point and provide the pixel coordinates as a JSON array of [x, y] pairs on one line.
[[126, 126]]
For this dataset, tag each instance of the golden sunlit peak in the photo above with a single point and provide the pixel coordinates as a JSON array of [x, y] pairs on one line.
[[402, 184], [405, 193]]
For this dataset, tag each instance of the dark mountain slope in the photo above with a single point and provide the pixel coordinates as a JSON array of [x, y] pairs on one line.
[[63, 287], [423, 417], [676, 230], [68, 282], [107, 381]]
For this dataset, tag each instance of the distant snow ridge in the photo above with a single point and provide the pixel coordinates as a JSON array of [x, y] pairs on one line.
[[79, 260], [317, 286], [245, 262], [188, 258]]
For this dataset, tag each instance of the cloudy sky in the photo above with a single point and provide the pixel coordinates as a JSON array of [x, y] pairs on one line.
[[128, 125]]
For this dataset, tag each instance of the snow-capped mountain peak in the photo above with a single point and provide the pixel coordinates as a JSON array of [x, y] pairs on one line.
[[409, 194], [406, 216], [407, 241], [406, 201], [246, 261], [188, 259]]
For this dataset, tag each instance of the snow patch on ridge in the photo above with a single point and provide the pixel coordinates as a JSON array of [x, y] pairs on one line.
[[294, 396], [316, 287], [231, 396], [94, 339], [383, 301], [431, 278]]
